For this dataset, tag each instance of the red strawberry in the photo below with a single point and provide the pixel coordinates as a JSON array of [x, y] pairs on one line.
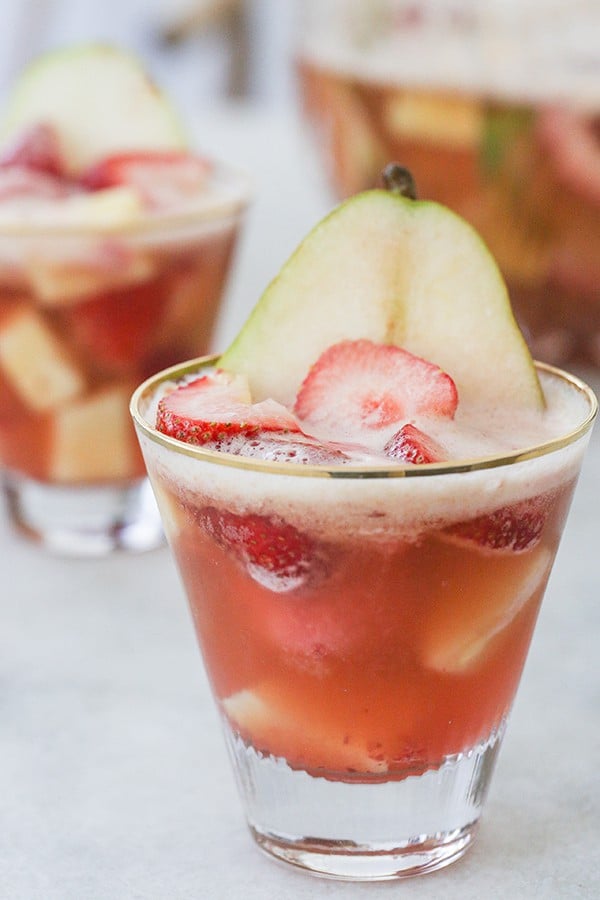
[[162, 178], [514, 528], [215, 407], [412, 445], [276, 554], [362, 385], [24, 184], [115, 329], [37, 148], [273, 447]]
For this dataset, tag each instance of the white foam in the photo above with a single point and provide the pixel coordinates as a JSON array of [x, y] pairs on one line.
[[377, 503], [540, 51]]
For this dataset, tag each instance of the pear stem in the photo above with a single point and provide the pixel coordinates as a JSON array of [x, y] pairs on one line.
[[399, 180]]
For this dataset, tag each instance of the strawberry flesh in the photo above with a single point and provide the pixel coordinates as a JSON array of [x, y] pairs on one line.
[[275, 553], [161, 178], [116, 328], [513, 528], [361, 385], [37, 149], [22, 184], [214, 408], [412, 445]]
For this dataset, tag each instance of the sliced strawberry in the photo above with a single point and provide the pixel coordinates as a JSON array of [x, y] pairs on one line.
[[215, 407], [412, 445], [37, 148], [275, 553], [21, 183], [292, 448], [510, 528], [161, 178], [358, 385]]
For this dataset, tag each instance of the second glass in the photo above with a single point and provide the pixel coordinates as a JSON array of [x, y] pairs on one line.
[[85, 314]]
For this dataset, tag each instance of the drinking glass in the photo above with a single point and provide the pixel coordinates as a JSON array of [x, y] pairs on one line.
[[364, 629], [86, 312], [495, 108]]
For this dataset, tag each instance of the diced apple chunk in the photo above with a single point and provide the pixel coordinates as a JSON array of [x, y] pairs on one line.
[[92, 439], [111, 208], [461, 631], [92, 267], [34, 362], [170, 510], [451, 121], [262, 717]]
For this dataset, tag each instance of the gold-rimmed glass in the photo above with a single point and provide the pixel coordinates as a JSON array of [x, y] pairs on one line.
[[364, 629]]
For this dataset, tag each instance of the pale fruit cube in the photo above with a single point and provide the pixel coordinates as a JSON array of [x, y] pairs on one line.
[[462, 629], [62, 274], [263, 717], [34, 362], [451, 121], [109, 209], [183, 308], [170, 510], [92, 439]]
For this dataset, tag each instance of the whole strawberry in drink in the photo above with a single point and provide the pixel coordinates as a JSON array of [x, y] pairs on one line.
[[115, 242], [364, 495]]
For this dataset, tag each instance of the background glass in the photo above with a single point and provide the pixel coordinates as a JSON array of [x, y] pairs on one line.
[[85, 313]]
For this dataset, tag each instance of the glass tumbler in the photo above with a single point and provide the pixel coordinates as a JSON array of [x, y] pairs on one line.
[[86, 312], [364, 630]]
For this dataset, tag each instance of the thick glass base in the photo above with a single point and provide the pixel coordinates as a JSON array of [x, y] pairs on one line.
[[84, 521], [345, 861], [362, 830]]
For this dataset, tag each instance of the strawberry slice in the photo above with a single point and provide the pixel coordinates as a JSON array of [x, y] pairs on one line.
[[275, 553], [36, 148], [161, 178], [289, 448], [216, 407], [412, 445], [513, 528], [22, 184], [363, 385]]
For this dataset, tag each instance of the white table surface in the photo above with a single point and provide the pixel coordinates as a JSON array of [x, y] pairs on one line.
[[114, 783]]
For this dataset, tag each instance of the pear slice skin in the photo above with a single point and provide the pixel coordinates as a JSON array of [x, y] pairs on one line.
[[99, 99], [395, 271]]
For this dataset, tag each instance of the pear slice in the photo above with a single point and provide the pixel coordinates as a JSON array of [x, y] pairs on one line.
[[394, 270], [100, 101], [263, 717]]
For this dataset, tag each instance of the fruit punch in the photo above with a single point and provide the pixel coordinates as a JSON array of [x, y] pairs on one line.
[[365, 622]]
